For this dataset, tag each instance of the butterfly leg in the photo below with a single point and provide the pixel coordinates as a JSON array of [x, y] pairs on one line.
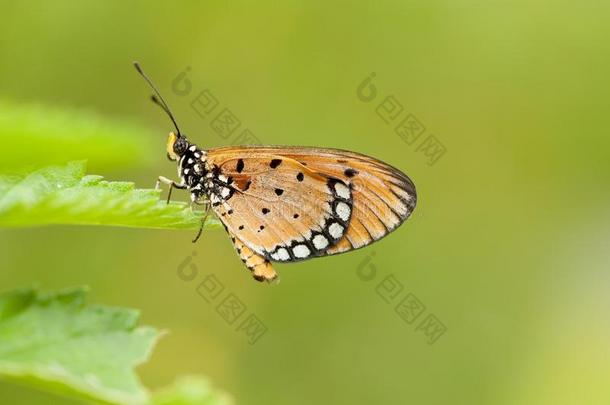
[[172, 184], [203, 219], [259, 266]]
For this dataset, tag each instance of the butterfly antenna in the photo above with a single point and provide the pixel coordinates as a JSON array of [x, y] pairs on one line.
[[157, 98]]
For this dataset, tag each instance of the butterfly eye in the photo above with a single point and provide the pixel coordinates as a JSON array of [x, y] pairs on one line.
[[180, 146]]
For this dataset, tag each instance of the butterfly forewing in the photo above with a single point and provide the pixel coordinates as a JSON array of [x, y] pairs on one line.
[[289, 204]]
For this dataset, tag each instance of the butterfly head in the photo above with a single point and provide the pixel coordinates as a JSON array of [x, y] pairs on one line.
[[177, 145]]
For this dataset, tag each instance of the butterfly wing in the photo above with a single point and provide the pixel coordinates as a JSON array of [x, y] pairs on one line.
[[383, 196], [278, 207], [289, 204]]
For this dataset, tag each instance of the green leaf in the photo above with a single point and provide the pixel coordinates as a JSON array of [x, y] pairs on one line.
[[56, 343], [190, 390], [65, 195], [35, 136]]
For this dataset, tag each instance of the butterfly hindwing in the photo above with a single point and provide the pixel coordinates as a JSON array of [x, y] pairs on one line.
[[279, 208], [289, 204]]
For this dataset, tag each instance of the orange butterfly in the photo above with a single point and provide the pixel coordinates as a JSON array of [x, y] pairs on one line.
[[286, 204]]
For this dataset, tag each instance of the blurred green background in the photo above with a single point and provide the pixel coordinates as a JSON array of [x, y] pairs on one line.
[[508, 246]]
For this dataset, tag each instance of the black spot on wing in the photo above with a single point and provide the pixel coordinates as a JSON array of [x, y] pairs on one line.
[[351, 172]]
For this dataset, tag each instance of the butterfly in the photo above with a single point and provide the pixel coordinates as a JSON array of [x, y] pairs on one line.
[[287, 204]]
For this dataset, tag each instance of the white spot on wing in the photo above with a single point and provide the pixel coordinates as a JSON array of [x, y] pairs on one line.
[[342, 191], [223, 178], [281, 255], [320, 242], [193, 148], [336, 230], [301, 251], [225, 192], [343, 211]]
